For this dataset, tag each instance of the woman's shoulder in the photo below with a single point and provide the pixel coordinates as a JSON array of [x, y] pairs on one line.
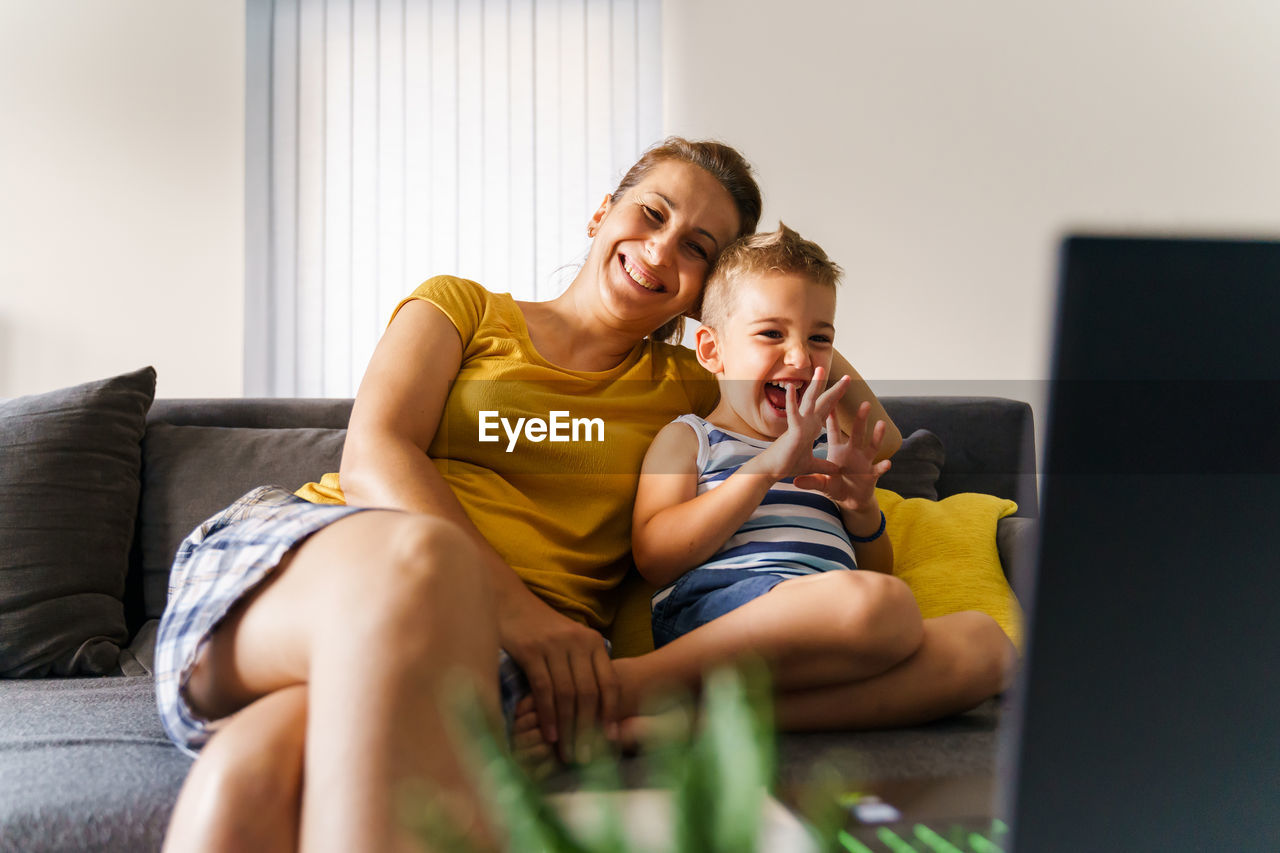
[[451, 287], [463, 301], [674, 362], [678, 358]]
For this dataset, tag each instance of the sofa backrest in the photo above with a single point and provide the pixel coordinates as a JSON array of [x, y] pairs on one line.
[[200, 455], [989, 442]]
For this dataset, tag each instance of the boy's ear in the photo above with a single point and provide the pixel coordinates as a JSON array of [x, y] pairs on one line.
[[601, 212], [707, 349]]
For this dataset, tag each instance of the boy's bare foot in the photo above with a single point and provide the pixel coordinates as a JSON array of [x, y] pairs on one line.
[[535, 755], [539, 758], [656, 728], [653, 714], [653, 725]]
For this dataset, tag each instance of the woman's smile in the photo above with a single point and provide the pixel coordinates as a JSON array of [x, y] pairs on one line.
[[653, 247], [641, 275]]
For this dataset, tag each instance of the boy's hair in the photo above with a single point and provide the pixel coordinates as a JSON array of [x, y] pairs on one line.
[[782, 251]]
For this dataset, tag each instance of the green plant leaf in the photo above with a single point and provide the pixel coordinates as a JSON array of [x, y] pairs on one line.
[[718, 780]]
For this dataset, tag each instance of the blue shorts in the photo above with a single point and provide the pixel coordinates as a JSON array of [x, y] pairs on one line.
[[221, 562], [701, 595]]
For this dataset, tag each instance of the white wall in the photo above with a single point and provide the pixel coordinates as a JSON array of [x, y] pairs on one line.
[[939, 150], [122, 193]]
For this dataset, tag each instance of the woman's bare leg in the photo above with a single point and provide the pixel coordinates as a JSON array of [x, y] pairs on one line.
[[378, 615], [245, 792]]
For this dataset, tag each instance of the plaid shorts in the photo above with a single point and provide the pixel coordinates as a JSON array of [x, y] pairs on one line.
[[222, 561]]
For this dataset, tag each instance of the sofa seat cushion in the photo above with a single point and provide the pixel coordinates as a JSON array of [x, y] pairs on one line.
[[85, 765], [957, 747], [69, 465]]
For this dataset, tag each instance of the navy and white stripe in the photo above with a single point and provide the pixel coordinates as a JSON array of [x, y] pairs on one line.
[[793, 532]]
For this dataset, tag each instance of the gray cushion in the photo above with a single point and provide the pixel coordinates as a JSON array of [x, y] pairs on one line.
[[990, 444], [69, 463], [190, 473], [916, 466]]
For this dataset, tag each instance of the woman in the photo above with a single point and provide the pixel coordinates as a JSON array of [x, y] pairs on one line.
[[283, 612]]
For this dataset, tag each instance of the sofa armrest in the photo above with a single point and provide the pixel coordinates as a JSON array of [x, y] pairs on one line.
[[1016, 541]]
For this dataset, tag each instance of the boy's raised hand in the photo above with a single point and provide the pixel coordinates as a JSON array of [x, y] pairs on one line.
[[853, 484], [791, 454]]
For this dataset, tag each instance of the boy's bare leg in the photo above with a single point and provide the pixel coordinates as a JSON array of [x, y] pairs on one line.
[[964, 660], [830, 628], [376, 615], [961, 660], [837, 666]]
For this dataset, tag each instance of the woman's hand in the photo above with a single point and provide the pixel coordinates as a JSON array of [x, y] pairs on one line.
[[570, 673]]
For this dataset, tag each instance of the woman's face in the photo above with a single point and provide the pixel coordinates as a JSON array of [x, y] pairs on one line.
[[654, 247]]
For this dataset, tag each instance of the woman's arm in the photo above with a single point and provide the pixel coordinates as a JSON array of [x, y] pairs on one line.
[[394, 419], [385, 464], [847, 408]]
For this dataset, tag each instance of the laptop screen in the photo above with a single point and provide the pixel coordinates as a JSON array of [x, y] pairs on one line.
[[1150, 703]]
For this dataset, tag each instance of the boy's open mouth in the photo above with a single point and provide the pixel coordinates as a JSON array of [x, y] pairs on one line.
[[776, 394]]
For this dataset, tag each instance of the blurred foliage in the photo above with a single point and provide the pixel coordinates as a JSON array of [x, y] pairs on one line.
[[718, 772]]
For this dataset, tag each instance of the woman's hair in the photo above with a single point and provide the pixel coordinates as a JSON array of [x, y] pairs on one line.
[[783, 251], [720, 161]]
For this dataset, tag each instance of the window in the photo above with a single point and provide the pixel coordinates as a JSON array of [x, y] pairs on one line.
[[391, 141]]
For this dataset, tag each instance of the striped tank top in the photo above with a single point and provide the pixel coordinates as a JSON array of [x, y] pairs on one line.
[[793, 531]]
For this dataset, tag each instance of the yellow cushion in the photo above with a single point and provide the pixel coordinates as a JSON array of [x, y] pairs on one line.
[[946, 553]]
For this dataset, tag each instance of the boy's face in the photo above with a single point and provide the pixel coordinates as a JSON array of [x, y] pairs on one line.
[[779, 328]]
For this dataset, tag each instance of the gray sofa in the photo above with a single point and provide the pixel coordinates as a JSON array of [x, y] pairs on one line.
[[84, 764]]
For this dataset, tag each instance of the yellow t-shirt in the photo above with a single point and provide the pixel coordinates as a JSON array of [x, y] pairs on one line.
[[557, 509]]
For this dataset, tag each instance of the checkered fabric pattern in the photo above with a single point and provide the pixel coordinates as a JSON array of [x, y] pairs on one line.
[[222, 561]]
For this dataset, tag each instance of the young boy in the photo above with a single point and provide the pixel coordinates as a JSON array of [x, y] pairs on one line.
[[759, 494]]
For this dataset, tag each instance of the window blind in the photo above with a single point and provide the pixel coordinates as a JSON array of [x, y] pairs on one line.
[[392, 140]]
